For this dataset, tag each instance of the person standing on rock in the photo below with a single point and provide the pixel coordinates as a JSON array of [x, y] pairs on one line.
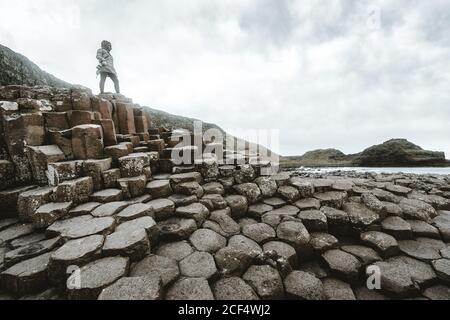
[[106, 66]]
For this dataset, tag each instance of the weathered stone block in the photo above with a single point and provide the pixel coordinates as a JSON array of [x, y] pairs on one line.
[[30, 250], [77, 190], [87, 142], [78, 118], [79, 227], [157, 145], [8, 201], [84, 209], [154, 161], [117, 151], [129, 145], [154, 137], [77, 252], [141, 124], [209, 168], [6, 174], [109, 131], [92, 283], [63, 139], [63, 171], [159, 188], [141, 149], [125, 117], [186, 177], [138, 111], [133, 244], [154, 131], [81, 101], [62, 102], [47, 214], [97, 116], [134, 164], [29, 201], [95, 169], [244, 174], [56, 121], [146, 288], [107, 195], [28, 276], [154, 158], [110, 178], [10, 92], [132, 187], [148, 173], [20, 131], [6, 108], [135, 140], [34, 105], [109, 209], [40, 157], [144, 137], [103, 106]]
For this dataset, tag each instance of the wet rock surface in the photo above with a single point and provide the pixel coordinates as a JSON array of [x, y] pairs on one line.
[[112, 206]]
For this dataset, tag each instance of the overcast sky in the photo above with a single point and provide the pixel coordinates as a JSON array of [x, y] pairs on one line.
[[328, 73]]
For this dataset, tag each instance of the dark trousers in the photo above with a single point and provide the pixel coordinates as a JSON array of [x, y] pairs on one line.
[[113, 77]]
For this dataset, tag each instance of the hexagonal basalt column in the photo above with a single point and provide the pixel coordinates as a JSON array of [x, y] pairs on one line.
[[87, 142], [6, 174], [125, 118], [77, 191], [40, 157], [134, 164], [20, 131]]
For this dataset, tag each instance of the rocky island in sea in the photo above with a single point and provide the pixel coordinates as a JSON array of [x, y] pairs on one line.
[[89, 183], [392, 153]]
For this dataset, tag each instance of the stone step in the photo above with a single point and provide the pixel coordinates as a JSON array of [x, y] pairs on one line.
[[77, 191], [6, 174], [107, 195], [87, 142], [9, 199]]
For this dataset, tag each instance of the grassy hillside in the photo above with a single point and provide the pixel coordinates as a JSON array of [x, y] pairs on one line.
[[16, 69]]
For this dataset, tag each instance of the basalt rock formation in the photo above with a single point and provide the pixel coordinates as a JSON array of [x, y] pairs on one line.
[[99, 203], [16, 69]]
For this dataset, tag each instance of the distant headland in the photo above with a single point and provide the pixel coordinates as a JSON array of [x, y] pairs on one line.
[[392, 153]]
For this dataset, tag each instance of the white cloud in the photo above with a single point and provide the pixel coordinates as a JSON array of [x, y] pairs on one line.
[[323, 72]]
